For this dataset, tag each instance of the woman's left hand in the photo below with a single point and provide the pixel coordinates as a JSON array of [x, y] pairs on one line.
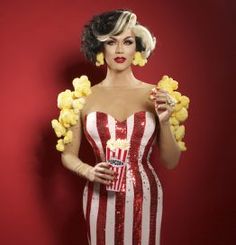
[[162, 107]]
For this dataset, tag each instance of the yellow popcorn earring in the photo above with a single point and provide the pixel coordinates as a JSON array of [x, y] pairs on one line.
[[100, 59], [139, 59]]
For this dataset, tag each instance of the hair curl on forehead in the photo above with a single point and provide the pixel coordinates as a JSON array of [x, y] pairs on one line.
[[112, 23]]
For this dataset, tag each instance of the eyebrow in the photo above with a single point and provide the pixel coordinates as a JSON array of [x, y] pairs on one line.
[[124, 38]]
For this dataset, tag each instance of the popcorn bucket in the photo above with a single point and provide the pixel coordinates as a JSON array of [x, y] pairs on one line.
[[116, 158]]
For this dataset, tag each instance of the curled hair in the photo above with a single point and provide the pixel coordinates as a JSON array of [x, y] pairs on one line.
[[112, 23]]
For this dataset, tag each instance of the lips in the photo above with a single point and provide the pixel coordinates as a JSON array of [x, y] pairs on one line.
[[120, 59]]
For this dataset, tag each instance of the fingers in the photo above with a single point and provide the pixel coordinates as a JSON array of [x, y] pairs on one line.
[[155, 93], [164, 107], [104, 167], [102, 181], [158, 91], [103, 174]]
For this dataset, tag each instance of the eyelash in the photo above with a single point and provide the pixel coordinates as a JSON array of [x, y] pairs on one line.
[[129, 42]]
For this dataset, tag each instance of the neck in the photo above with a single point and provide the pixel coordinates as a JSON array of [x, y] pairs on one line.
[[123, 78]]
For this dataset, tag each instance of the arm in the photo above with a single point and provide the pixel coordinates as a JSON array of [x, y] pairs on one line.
[[100, 172], [70, 158], [168, 147]]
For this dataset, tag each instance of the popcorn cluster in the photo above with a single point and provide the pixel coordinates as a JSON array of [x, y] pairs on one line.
[[138, 59], [180, 113], [122, 144], [70, 103]]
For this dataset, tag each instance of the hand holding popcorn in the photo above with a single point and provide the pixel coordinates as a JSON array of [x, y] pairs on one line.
[[176, 112]]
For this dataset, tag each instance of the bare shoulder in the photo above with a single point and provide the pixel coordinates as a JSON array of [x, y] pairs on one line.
[[148, 85]]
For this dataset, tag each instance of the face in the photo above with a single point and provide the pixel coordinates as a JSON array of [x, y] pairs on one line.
[[119, 50]]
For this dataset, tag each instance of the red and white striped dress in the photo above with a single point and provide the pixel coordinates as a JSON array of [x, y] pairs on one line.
[[132, 216]]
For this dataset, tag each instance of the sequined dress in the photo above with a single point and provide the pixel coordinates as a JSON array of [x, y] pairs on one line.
[[133, 215]]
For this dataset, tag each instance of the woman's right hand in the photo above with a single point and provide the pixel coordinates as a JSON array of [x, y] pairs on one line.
[[101, 173]]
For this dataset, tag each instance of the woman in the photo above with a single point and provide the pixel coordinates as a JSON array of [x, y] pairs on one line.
[[119, 107]]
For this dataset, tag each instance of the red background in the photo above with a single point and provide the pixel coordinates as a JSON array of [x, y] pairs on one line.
[[41, 201]]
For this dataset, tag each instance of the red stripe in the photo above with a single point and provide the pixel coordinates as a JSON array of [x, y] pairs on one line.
[[124, 156], [122, 176], [107, 153], [121, 132], [103, 131], [137, 134], [119, 153], [153, 190]]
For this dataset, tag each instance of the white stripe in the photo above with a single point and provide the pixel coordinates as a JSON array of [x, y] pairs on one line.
[[92, 130], [159, 212], [148, 131], [94, 213], [111, 199], [129, 196], [85, 199]]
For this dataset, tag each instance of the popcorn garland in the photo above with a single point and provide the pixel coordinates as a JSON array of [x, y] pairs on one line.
[[70, 103], [180, 113]]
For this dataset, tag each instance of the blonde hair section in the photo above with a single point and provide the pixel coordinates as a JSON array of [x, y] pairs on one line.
[[128, 20], [148, 41]]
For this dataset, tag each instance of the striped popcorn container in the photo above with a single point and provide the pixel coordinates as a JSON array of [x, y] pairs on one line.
[[116, 157]]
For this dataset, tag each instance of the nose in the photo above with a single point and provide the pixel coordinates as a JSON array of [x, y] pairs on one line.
[[119, 48]]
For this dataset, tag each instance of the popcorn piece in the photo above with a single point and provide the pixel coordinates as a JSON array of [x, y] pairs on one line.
[[68, 137], [64, 99], [78, 104], [60, 145], [68, 118], [58, 128], [100, 59]]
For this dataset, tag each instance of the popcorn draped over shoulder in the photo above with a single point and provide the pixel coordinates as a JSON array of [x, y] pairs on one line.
[[70, 103], [180, 113]]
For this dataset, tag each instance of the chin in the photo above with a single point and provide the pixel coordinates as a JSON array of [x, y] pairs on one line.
[[120, 67]]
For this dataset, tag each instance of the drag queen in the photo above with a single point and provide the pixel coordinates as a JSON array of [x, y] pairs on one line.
[[120, 107]]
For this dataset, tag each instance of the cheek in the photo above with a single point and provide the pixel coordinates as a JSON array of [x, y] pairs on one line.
[[108, 53], [131, 51]]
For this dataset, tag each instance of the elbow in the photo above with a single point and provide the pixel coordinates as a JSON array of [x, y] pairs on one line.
[[64, 158], [171, 162], [171, 165]]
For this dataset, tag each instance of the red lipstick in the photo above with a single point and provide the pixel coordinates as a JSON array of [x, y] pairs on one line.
[[120, 59]]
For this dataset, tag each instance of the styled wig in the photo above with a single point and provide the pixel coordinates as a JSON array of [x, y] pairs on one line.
[[113, 23]]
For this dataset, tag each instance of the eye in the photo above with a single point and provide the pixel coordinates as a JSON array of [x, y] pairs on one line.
[[128, 42], [110, 42]]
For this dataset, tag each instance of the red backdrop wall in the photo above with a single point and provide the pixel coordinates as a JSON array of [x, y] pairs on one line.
[[41, 201]]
